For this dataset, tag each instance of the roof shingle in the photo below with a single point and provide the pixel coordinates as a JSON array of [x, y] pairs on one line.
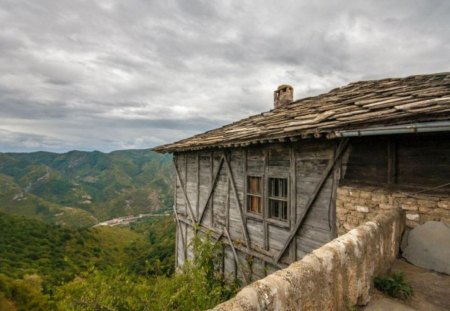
[[357, 105]]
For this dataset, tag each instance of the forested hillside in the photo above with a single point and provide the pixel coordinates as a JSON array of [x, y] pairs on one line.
[[50, 267], [37, 258], [81, 188]]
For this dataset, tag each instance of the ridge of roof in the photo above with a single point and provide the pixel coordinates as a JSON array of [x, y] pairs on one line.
[[392, 101]]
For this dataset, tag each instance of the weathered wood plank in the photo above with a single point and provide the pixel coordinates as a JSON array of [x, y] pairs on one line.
[[293, 199], [266, 256], [213, 186], [342, 146], [236, 256], [179, 229], [188, 203], [236, 195]]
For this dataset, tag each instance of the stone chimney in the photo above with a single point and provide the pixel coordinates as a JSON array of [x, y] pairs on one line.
[[283, 96]]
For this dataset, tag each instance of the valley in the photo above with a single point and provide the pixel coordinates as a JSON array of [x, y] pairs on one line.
[[81, 189]]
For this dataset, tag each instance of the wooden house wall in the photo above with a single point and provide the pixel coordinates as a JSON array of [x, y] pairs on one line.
[[411, 161], [302, 163]]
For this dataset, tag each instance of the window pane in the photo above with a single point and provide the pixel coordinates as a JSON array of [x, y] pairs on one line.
[[254, 204], [278, 187], [278, 209], [254, 185]]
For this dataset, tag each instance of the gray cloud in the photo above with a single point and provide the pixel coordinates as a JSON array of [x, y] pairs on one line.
[[112, 74]]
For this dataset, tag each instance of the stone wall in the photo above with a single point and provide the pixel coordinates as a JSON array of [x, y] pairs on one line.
[[357, 204], [333, 277]]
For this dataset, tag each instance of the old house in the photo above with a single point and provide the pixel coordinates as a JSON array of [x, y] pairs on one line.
[[277, 185]]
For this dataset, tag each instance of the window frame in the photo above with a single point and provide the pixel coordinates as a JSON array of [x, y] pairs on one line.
[[265, 214], [249, 213], [278, 221]]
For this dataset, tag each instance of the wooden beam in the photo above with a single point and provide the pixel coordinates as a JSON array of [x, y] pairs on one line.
[[197, 204], [211, 201], [267, 258], [236, 259], [186, 199], [265, 196], [211, 190], [236, 195], [293, 198], [181, 233], [332, 207], [342, 147], [392, 162]]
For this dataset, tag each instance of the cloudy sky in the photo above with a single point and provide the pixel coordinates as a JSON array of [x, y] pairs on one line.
[[107, 75]]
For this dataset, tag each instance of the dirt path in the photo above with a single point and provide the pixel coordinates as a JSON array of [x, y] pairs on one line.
[[431, 291]]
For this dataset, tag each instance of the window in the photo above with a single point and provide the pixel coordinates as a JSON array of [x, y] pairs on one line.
[[254, 195], [278, 198]]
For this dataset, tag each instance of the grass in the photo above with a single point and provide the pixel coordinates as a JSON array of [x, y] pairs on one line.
[[394, 285]]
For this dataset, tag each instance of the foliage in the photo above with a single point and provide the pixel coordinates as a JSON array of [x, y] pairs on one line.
[[77, 188], [113, 289], [394, 285], [22, 294], [159, 257], [198, 285], [58, 254]]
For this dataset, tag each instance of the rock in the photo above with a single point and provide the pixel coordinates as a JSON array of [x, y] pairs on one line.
[[428, 246]]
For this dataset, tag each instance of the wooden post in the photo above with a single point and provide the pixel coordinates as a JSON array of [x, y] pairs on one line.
[[197, 205], [212, 194], [265, 199], [181, 235], [392, 162], [293, 200]]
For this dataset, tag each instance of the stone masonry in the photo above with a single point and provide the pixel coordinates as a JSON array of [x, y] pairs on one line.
[[358, 204], [335, 277]]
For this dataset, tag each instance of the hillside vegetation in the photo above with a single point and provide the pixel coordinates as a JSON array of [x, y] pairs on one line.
[[49, 267], [37, 258], [82, 188]]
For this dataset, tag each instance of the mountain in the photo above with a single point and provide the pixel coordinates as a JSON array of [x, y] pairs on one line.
[[82, 188]]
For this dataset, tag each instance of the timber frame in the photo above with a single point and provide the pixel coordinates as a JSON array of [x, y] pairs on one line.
[[212, 199], [389, 133]]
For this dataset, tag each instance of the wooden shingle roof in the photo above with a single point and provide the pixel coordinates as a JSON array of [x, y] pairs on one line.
[[358, 105]]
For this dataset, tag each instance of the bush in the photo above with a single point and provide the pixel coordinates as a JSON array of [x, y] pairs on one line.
[[199, 285], [394, 285]]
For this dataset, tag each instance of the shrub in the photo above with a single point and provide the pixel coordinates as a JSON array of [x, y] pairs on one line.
[[394, 285], [198, 285]]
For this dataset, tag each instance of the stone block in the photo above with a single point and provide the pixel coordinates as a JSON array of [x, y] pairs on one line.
[[341, 191], [444, 204], [425, 210], [365, 195], [413, 217], [408, 207], [441, 212], [426, 203], [380, 198], [354, 193], [349, 206], [362, 209], [385, 206]]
